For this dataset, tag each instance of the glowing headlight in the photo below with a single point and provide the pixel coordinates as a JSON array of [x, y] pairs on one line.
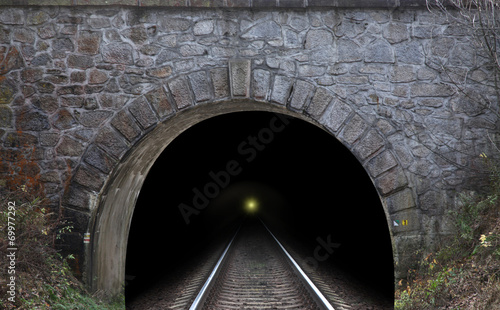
[[251, 205]]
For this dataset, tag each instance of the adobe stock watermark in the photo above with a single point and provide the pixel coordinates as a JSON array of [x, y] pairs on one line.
[[11, 256], [249, 150], [322, 252]]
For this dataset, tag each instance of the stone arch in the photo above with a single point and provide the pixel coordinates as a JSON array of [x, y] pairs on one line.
[[107, 182]]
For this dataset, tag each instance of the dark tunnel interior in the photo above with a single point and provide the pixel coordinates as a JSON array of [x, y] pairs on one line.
[[307, 186]]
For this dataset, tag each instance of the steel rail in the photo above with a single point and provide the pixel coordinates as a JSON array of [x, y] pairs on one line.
[[202, 295], [320, 297]]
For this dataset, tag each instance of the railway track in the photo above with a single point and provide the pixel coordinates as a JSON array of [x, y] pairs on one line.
[[256, 272]]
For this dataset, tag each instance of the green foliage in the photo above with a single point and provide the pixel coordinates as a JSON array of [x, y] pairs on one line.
[[468, 264], [44, 278]]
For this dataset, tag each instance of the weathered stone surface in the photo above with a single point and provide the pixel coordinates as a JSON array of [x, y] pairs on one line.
[[89, 177], [265, 30], [12, 61], [94, 119], [220, 81], [99, 159], [391, 181], [431, 90], [111, 142], [349, 51], [239, 72], [400, 201], [160, 103], [63, 119], [143, 113], [281, 89], [200, 86], [396, 32], [381, 163], [380, 52], [5, 117], [369, 144], [354, 129], [319, 102], [69, 147], [261, 82], [203, 27], [160, 72], [118, 53], [125, 124], [12, 16], [302, 92], [80, 61], [337, 115], [88, 42], [32, 121], [318, 38], [180, 92], [97, 77]]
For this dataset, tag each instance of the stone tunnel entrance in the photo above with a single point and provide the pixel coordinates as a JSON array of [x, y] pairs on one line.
[[354, 220], [309, 187]]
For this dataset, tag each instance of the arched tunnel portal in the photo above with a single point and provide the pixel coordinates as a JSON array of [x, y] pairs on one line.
[[114, 212], [305, 184]]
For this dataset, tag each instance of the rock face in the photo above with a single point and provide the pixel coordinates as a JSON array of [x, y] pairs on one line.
[[88, 84]]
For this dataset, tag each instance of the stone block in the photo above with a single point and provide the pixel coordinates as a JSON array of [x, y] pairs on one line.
[[353, 129], [69, 147], [321, 99], [125, 125], [181, 93], [369, 144], [302, 92], [260, 84], [99, 159], [200, 86], [337, 115], [239, 77], [431, 90], [348, 51], [94, 119], [88, 42], [203, 27], [391, 181], [380, 52], [118, 53], [396, 32], [63, 119], [263, 30], [403, 74], [220, 81], [318, 38], [49, 139], [160, 72], [142, 112], [97, 77], [160, 103], [89, 177], [281, 89], [111, 141], [32, 121], [12, 16], [381, 163], [5, 117], [77, 197], [80, 61]]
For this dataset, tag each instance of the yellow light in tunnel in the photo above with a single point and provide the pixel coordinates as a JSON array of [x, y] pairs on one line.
[[251, 205]]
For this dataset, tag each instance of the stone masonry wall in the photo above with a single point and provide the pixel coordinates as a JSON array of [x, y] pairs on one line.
[[80, 86]]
